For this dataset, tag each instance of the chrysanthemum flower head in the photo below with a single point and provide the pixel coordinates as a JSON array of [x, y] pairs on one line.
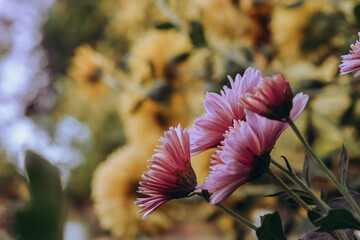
[[245, 153], [171, 175], [351, 61], [221, 110], [272, 98]]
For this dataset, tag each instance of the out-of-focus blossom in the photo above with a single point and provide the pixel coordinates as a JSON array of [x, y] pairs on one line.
[[271, 99], [90, 70], [171, 175], [245, 153], [221, 110], [114, 187], [351, 61], [289, 27]]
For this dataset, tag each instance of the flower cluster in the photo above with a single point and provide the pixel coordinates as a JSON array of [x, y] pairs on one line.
[[243, 122]]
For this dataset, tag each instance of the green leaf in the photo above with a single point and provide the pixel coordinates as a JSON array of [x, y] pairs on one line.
[[311, 84], [197, 35], [179, 58], [357, 12], [43, 216], [305, 171], [307, 200], [287, 164], [295, 5], [339, 218], [165, 26], [283, 192], [322, 195], [313, 216], [271, 228], [343, 166]]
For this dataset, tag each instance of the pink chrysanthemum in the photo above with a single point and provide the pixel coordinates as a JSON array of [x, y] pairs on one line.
[[171, 175], [351, 61], [272, 98], [221, 111], [245, 152]]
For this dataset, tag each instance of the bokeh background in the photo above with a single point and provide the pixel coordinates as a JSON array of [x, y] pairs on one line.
[[92, 85]]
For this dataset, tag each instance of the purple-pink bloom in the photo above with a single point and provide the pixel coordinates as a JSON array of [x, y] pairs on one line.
[[351, 61], [245, 152], [221, 110], [272, 98], [171, 175]]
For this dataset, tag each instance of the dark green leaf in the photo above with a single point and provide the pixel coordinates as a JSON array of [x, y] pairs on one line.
[[160, 91], [343, 166], [322, 195], [283, 192], [357, 12], [197, 35], [313, 216], [179, 58], [322, 27], [42, 218], [339, 218], [165, 26], [305, 171], [271, 228], [348, 116], [287, 163], [295, 5], [311, 84], [307, 200]]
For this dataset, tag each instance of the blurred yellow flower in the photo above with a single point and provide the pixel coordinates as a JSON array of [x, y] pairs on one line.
[[114, 187], [90, 70], [289, 25]]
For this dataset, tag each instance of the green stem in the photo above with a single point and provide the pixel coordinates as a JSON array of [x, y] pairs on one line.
[[320, 203], [293, 177], [293, 195], [344, 191], [205, 195], [236, 216]]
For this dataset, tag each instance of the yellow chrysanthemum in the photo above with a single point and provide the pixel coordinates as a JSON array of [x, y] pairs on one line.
[[224, 23], [157, 95], [114, 187], [127, 23], [289, 24], [89, 69]]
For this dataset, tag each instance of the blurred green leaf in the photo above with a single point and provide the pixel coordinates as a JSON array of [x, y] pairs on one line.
[[179, 58], [306, 168], [339, 218], [283, 192], [311, 84], [71, 24], [343, 166], [42, 218], [271, 228], [165, 26], [320, 29], [307, 200], [197, 35], [295, 5], [357, 12]]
